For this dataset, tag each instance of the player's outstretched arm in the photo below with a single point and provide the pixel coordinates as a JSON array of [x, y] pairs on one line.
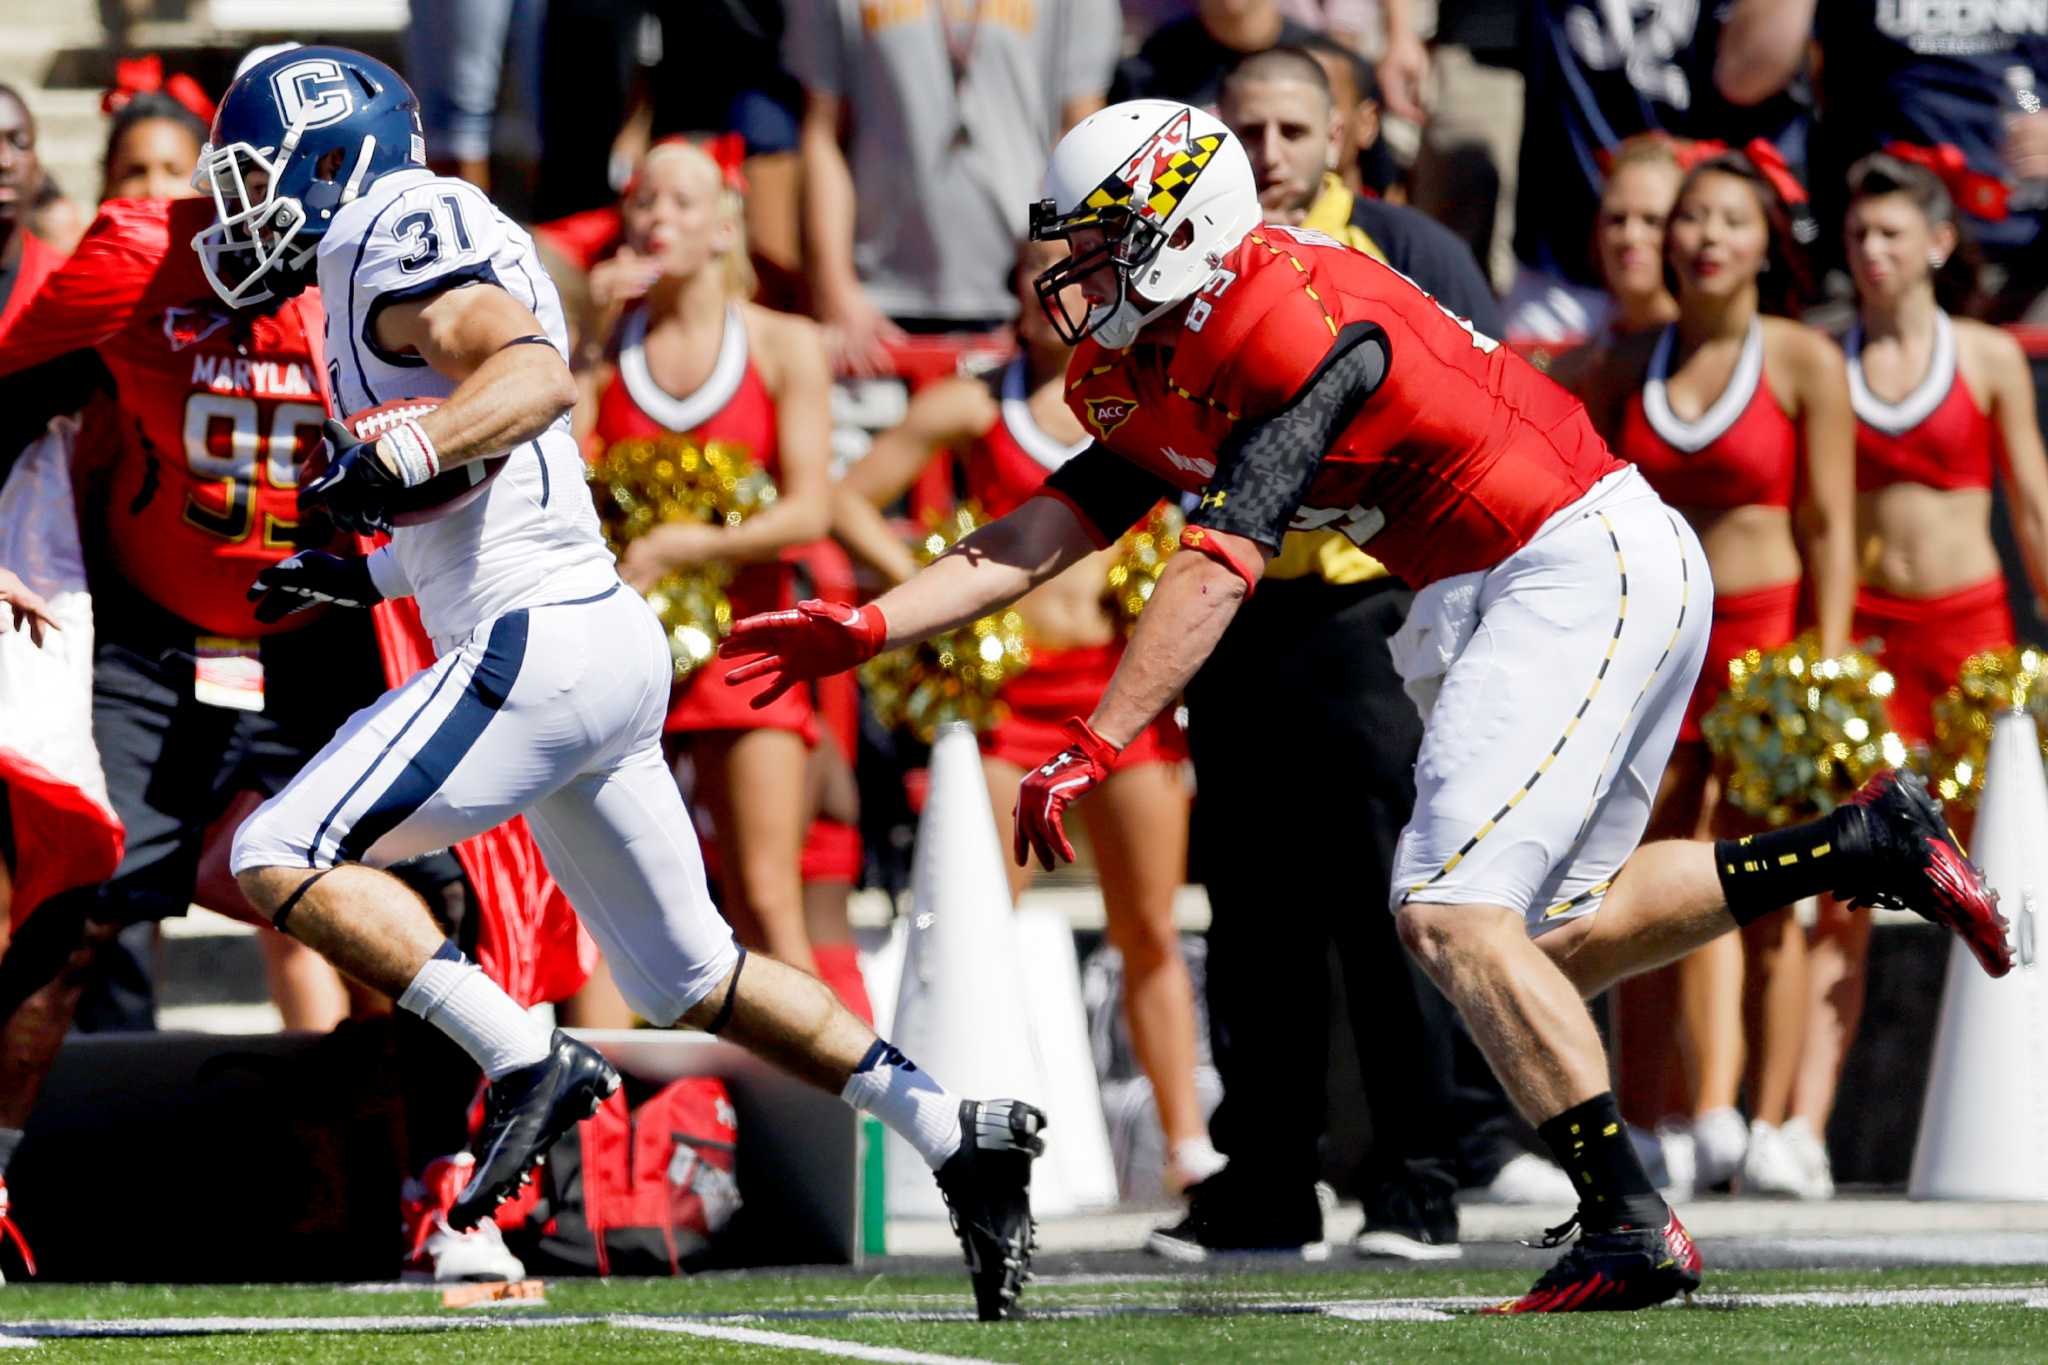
[[1197, 598], [512, 384], [992, 567]]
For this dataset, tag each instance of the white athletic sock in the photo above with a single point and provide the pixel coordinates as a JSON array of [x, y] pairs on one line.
[[453, 994], [924, 1113]]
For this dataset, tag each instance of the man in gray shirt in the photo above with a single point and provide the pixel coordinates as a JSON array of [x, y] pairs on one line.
[[925, 131]]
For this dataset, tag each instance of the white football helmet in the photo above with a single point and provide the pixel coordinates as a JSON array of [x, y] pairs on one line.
[[1172, 191]]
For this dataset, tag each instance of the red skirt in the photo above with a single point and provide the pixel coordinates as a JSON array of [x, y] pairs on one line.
[[1763, 619], [1926, 640], [704, 701], [1069, 682]]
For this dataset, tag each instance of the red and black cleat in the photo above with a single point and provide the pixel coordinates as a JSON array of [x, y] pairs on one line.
[[1916, 864], [1613, 1271]]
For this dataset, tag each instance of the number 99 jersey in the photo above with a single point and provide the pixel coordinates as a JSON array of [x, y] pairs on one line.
[[217, 409], [532, 537]]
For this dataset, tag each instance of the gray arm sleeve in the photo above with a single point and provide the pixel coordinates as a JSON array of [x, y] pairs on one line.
[[1264, 471]]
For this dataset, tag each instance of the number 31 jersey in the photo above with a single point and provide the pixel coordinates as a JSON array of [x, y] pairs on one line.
[[532, 537], [215, 409], [1449, 465]]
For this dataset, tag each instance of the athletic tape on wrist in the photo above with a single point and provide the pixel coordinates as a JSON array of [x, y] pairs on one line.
[[409, 452]]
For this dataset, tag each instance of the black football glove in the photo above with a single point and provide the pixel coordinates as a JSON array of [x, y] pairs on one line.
[[355, 489], [309, 578]]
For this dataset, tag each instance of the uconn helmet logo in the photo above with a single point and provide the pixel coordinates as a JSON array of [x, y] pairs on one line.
[[312, 94]]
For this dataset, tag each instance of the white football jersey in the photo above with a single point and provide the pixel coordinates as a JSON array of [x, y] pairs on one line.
[[532, 537]]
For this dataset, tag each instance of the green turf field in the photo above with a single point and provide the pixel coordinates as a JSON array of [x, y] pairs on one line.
[[1341, 1314]]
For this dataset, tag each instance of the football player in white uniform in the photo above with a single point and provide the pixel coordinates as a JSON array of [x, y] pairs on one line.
[[552, 679]]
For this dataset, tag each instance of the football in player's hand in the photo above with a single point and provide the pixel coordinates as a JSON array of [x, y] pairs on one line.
[[438, 496]]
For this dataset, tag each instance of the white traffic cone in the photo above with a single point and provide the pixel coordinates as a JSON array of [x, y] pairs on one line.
[[1078, 1143], [960, 1009], [1987, 1092]]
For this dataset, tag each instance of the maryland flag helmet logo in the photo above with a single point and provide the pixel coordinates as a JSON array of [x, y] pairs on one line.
[[1126, 178]]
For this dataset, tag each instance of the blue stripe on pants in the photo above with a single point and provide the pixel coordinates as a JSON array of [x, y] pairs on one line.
[[427, 770]]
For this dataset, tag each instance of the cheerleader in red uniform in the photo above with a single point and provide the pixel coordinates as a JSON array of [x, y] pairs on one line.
[[689, 356], [1628, 248], [1741, 421], [1942, 404], [1011, 429]]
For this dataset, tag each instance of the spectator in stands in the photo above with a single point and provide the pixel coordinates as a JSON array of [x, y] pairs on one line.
[[690, 357], [455, 56], [1740, 418], [1942, 406], [152, 145], [24, 259], [1465, 90], [1595, 74], [1955, 88], [1186, 59], [925, 133], [1009, 429], [1279, 102], [1305, 669]]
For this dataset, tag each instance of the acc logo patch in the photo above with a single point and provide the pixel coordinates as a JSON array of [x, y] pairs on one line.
[[1107, 414]]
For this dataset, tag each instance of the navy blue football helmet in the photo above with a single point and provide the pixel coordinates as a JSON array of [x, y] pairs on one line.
[[297, 136]]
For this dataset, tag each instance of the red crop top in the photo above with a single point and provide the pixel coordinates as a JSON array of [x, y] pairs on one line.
[[1936, 435], [1742, 450]]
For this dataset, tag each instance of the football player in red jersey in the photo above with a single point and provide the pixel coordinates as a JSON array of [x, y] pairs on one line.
[[1560, 619], [188, 485]]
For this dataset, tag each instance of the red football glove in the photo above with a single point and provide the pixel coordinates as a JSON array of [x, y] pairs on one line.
[[1047, 791], [815, 640]]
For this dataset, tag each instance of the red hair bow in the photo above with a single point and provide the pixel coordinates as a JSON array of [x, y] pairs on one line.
[[145, 76], [1976, 193], [727, 151], [1761, 153]]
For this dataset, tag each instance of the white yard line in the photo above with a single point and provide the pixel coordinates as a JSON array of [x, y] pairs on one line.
[[732, 1326], [790, 1341]]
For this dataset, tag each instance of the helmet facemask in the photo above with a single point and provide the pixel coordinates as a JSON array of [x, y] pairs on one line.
[[254, 243], [1129, 244], [1163, 232]]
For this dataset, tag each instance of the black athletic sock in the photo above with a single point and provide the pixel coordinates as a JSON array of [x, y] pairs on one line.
[[1590, 1141], [1761, 873]]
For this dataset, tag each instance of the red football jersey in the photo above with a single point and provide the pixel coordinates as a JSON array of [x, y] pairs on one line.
[[218, 410], [1451, 465]]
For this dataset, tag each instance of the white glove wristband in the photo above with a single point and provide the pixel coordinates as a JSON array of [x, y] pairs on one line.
[[409, 453]]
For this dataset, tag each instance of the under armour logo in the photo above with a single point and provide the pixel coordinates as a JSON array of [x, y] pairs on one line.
[[1052, 769]]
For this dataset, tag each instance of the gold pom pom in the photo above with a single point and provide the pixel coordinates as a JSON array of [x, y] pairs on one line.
[[1141, 557], [954, 676], [1801, 732], [640, 484], [1995, 681]]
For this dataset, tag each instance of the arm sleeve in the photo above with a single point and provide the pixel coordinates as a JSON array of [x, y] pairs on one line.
[[89, 298], [1264, 470], [1108, 492]]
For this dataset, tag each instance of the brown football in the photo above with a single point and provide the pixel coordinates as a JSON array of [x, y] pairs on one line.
[[443, 493]]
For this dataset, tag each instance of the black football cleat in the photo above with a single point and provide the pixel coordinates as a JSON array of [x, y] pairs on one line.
[[987, 1185], [1231, 1214], [1613, 1271], [525, 1113], [1916, 864]]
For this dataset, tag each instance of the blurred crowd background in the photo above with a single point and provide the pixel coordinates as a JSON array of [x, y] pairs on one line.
[[868, 164]]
